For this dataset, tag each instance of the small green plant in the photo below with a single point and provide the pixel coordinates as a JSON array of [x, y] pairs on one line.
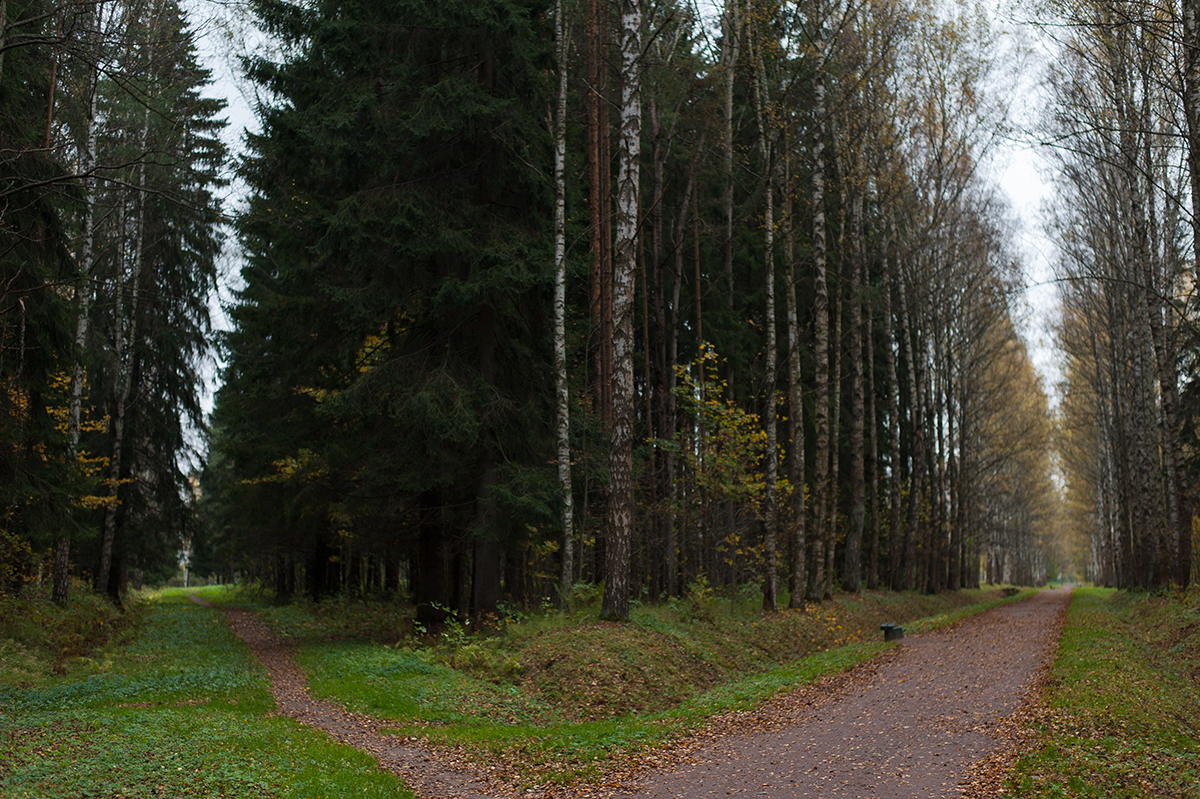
[[701, 599], [39, 638], [585, 595]]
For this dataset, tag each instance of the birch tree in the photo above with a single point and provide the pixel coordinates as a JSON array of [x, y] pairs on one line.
[[561, 378], [621, 507]]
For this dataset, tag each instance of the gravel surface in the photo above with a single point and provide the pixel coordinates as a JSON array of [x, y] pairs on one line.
[[934, 717]]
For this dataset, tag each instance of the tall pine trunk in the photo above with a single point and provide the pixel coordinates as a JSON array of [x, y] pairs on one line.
[[895, 528], [917, 446], [600, 281], [770, 516], [852, 563], [873, 429], [835, 426], [821, 337]]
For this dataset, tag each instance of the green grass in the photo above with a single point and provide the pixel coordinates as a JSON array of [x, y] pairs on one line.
[[411, 685], [182, 710], [1124, 702]]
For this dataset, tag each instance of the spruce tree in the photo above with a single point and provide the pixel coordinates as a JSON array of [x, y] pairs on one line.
[[389, 370]]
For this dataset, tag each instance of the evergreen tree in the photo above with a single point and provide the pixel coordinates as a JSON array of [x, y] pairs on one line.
[[155, 272], [388, 375]]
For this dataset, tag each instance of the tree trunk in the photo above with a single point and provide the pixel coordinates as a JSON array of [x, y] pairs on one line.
[[730, 47], [796, 466], [821, 338], [3, 34], [126, 336], [852, 568], [1191, 108], [873, 427], [562, 404], [835, 426], [770, 520], [621, 494], [917, 472], [83, 292], [895, 528], [599, 201]]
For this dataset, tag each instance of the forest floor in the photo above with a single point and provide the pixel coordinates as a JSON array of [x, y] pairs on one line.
[[700, 695]]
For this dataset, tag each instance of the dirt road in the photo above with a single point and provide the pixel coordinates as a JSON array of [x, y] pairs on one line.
[[916, 723]]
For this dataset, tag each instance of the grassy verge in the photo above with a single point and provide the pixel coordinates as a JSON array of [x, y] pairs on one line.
[[1123, 708], [173, 707]]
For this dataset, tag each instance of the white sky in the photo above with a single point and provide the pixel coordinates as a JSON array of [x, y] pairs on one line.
[[1029, 193], [1022, 176], [223, 33]]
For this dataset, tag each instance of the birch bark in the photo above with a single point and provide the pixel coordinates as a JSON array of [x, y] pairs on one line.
[[126, 336], [83, 294], [770, 516], [562, 403], [615, 604]]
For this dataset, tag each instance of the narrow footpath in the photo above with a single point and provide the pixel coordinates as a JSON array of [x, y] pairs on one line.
[[429, 775], [927, 719]]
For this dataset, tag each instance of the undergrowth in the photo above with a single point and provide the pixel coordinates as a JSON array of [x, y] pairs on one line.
[[39, 639], [1123, 708]]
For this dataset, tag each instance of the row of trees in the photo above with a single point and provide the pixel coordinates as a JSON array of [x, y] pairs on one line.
[[109, 234], [1124, 92], [536, 295]]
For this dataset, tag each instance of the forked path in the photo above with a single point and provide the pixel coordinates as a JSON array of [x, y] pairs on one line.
[[920, 722]]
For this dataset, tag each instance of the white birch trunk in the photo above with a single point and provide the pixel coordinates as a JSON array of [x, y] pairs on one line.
[[83, 293], [562, 398], [621, 496], [770, 599], [126, 335]]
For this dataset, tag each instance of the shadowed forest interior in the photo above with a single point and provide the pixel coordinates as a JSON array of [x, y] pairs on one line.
[[640, 295]]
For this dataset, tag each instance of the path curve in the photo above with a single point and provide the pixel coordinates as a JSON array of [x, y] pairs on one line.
[[922, 721], [427, 773]]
